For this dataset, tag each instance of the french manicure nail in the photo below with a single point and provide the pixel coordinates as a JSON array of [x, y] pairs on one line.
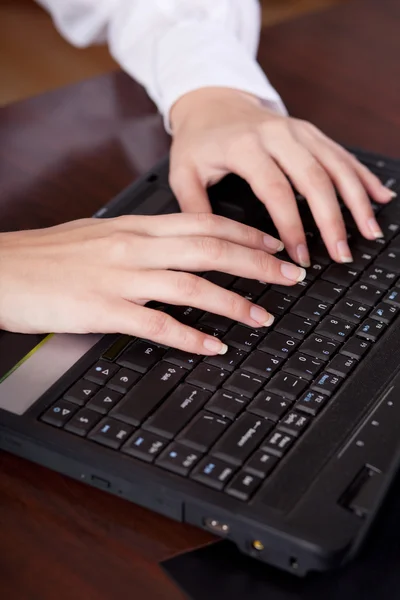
[[292, 272], [261, 316], [214, 345], [375, 229], [273, 244], [303, 256], [343, 249]]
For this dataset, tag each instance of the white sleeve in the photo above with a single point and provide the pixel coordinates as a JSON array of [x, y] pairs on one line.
[[173, 46]]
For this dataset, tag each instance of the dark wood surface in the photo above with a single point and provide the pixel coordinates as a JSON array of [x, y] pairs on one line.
[[63, 155]]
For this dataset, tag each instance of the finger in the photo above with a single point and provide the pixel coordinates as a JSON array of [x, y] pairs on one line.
[[273, 189], [350, 188], [185, 289], [212, 254], [312, 181], [160, 328], [188, 189], [199, 224]]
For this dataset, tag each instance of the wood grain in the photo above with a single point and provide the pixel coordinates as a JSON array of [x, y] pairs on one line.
[[64, 154]]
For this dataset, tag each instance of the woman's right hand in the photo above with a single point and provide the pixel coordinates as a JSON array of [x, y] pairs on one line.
[[96, 275]]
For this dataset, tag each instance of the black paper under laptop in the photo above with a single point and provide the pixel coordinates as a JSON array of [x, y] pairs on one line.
[[219, 571]]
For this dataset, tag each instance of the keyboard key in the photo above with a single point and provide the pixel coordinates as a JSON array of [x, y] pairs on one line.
[[294, 290], [207, 376], [243, 338], [355, 348], [224, 280], [243, 485], [81, 391], [303, 366], [141, 356], [389, 227], [327, 383], [83, 421], [380, 277], [315, 270], [384, 312], [365, 293], [178, 459], [334, 328], [393, 297], [269, 406], [319, 347], [210, 331], [59, 413], [294, 423], [311, 309], [256, 288], [262, 363], [203, 431], [229, 361], [286, 385], [372, 247], [361, 259], [350, 310], [101, 372], [123, 380], [242, 438], [326, 291], [390, 260], [243, 383], [297, 327], [148, 393], [186, 314], [104, 401], [311, 403], [213, 472], [216, 322], [182, 359], [278, 443], [260, 464], [341, 365], [111, 433], [341, 275], [371, 329], [144, 445], [177, 410], [226, 404], [276, 303], [279, 344]]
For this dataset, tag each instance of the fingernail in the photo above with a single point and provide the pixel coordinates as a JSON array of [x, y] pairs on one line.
[[303, 256], [214, 345], [389, 193], [292, 272], [375, 229], [272, 244], [343, 249], [261, 316]]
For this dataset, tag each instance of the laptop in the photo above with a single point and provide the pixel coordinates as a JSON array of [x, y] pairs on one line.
[[286, 445]]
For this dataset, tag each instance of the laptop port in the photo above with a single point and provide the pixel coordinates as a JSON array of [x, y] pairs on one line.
[[216, 526]]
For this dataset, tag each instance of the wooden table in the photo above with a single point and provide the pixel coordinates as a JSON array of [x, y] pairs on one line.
[[63, 155]]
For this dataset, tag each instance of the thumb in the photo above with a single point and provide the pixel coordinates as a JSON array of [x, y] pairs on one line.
[[189, 190]]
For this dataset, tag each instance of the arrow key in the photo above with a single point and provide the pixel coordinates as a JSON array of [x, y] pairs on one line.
[[101, 372], [81, 391], [59, 413], [83, 421]]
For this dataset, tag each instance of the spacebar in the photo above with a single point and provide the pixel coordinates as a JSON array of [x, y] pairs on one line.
[[302, 465]]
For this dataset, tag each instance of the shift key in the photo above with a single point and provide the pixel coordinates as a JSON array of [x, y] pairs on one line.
[[146, 395]]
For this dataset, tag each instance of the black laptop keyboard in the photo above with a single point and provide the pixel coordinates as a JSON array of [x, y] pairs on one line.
[[228, 421]]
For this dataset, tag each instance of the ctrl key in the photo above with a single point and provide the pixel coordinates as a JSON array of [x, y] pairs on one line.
[[213, 472], [178, 458], [111, 433]]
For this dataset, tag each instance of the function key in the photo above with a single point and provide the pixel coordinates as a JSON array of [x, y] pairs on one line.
[[243, 383], [111, 433], [294, 423], [297, 327], [276, 303], [141, 356], [243, 485], [242, 438], [244, 338], [144, 445], [327, 383], [286, 385], [355, 348], [59, 413], [366, 293], [326, 291], [104, 400], [101, 372], [278, 443], [83, 422], [335, 328], [279, 344], [384, 312], [260, 464], [226, 404], [269, 406], [380, 277], [319, 347], [81, 391], [213, 472], [371, 329], [311, 308], [262, 363], [303, 366], [178, 459], [350, 310], [341, 365], [207, 377], [182, 359], [229, 361], [123, 380], [203, 431], [311, 403], [341, 274]]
